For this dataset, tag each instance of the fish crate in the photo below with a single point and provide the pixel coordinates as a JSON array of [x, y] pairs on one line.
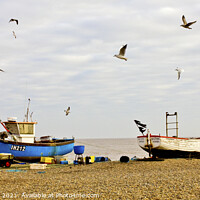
[[59, 159], [38, 166], [70, 162], [47, 160], [64, 162]]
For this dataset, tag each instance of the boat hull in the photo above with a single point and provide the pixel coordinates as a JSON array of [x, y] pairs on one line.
[[32, 152], [170, 147]]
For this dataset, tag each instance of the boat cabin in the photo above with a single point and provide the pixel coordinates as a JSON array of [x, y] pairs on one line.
[[21, 131]]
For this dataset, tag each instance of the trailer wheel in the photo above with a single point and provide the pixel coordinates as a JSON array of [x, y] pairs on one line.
[[1, 164], [7, 164]]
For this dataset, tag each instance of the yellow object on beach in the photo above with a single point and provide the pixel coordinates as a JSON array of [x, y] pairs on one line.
[[70, 162], [4, 156], [63, 159], [92, 159], [47, 160]]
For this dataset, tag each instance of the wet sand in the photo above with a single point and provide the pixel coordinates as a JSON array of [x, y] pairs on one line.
[[168, 179]]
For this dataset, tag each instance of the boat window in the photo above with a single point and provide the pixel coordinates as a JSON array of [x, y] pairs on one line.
[[26, 128]]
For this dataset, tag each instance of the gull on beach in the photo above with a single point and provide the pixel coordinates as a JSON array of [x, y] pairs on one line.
[[185, 24], [122, 53], [14, 34], [1, 70], [67, 111], [14, 20], [179, 72]]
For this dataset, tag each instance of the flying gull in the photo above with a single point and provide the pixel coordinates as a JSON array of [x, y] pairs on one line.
[[185, 24], [122, 53], [67, 111], [14, 34], [14, 20], [179, 72]]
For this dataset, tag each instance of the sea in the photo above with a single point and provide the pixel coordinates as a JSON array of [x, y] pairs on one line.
[[113, 148]]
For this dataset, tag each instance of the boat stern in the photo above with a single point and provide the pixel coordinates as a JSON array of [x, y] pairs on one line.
[[149, 141]]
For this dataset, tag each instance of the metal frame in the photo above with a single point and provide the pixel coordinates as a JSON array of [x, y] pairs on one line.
[[167, 123]]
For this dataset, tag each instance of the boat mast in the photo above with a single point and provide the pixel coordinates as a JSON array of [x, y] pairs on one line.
[[27, 112], [167, 123]]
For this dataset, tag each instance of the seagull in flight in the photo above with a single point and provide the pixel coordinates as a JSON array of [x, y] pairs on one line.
[[122, 53], [14, 34], [14, 20], [67, 111], [1, 70], [179, 72], [185, 24]]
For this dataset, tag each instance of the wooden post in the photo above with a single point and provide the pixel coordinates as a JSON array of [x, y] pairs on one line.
[[166, 124]]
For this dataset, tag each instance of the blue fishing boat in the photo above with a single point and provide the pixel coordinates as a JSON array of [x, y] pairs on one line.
[[19, 140]]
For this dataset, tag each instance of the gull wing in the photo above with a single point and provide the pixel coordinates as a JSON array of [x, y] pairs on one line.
[[123, 50], [179, 75], [68, 109], [14, 34], [184, 20], [12, 20], [1, 70], [190, 23]]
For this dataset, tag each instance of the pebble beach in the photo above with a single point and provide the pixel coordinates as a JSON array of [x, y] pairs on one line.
[[168, 179]]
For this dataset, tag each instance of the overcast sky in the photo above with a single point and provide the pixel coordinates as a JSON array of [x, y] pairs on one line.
[[63, 56]]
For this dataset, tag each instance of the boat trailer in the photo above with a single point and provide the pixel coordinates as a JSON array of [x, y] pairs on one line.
[[6, 159]]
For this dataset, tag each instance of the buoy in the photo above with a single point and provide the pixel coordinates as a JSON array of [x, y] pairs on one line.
[[124, 159]]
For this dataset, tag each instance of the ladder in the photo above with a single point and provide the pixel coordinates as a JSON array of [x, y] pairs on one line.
[[167, 123]]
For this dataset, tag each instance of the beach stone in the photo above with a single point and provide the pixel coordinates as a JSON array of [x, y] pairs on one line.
[[170, 179]]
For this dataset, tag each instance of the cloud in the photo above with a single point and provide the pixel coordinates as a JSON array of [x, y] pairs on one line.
[[63, 56]]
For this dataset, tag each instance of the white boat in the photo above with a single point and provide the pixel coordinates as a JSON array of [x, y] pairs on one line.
[[170, 147]]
